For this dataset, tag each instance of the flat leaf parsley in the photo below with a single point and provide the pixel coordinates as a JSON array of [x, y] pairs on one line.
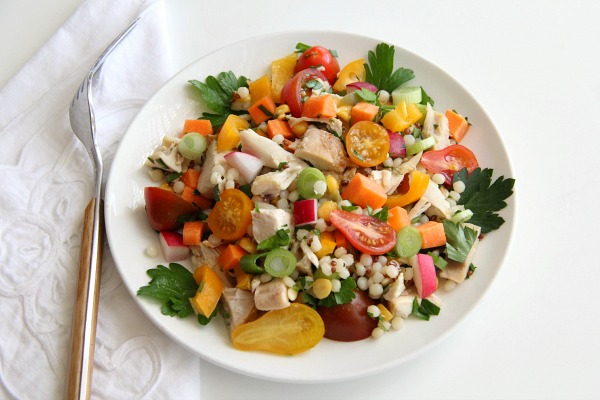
[[172, 286], [380, 69], [217, 92], [483, 197]]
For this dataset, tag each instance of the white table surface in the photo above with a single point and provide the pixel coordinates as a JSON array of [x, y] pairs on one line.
[[535, 67]]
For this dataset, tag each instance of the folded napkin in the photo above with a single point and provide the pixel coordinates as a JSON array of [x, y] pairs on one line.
[[46, 179]]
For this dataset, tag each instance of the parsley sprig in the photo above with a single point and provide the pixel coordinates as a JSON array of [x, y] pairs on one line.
[[217, 92], [172, 286], [483, 197], [459, 240], [380, 69]]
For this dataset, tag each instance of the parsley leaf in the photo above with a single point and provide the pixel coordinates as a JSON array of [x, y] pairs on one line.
[[425, 309], [425, 98], [380, 69], [483, 197], [172, 286], [217, 92], [380, 215], [280, 238], [302, 47], [366, 95], [460, 239]]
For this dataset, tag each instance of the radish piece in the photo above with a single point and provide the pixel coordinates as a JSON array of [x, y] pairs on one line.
[[172, 246], [351, 87], [305, 212], [424, 275], [247, 165], [397, 145]]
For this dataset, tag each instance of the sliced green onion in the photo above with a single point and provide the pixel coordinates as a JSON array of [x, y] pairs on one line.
[[192, 146], [410, 94], [306, 182], [250, 263], [408, 241], [462, 216], [420, 145], [438, 261], [280, 263]]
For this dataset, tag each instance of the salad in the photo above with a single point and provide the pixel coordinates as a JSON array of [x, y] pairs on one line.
[[317, 201]]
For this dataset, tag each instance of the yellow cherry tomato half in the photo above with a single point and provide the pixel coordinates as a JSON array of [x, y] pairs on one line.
[[231, 215], [367, 143]]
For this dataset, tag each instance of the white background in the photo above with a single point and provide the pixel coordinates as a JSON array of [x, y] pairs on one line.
[[535, 67]]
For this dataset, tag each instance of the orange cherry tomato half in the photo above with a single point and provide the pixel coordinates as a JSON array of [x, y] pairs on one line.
[[231, 215], [449, 160], [367, 234], [367, 143]]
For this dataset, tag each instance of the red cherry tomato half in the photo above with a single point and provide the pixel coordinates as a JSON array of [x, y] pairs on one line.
[[316, 57], [349, 322], [367, 234], [449, 160], [165, 209], [292, 95]]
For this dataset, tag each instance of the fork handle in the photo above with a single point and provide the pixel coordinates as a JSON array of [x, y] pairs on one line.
[[83, 333]]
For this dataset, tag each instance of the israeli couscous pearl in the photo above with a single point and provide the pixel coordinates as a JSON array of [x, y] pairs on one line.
[[397, 323], [343, 273], [265, 277], [293, 196], [284, 194], [301, 234], [376, 266], [283, 204], [348, 259], [397, 162], [375, 290], [391, 271], [423, 219], [232, 174], [326, 269], [292, 294], [289, 282], [454, 195], [408, 274], [377, 277], [315, 244], [360, 269], [229, 184], [178, 187], [409, 140], [321, 225], [362, 283], [377, 333], [156, 175], [382, 260], [366, 260], [373, 311], [388, 162], [339, 252], [385, 325], [438, 179], [278, 139], [336, 285], [152, 251], [458, 186]]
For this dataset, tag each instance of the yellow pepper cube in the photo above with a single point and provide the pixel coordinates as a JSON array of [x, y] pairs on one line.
[[403, 116], [327, 244]]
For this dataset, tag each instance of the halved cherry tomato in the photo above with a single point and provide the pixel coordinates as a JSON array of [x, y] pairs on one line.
[[316, 57], [231, 215], [367, 234], [292, 92], [165, 209], [449, 160], [349, 322], [367, 143]]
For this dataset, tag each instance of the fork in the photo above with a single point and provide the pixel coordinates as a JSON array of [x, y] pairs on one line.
[[83, 331]]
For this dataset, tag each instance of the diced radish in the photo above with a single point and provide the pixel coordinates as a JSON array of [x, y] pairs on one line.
[[172, 246], [424, 275], [351, 87], [305, 212], [397, 145], [247, 165]]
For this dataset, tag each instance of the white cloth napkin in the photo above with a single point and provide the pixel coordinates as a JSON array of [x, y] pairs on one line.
[[46, 181]]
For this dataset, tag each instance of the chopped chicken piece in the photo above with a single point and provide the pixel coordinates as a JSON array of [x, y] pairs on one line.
[[457, 271], [272, 183], [266, 222], [436, 125], [395, 289], [401, 306], [271, 295], [389, 180], [213, 158], [269, 152], [238, 306], [410, 165], [323, 150], [203, 254], [332, 124]]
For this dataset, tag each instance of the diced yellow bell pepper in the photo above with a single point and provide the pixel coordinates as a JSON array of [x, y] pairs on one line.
[[403, 116], [229, 136], [260, 88], [352, 72], [384, 312], [281, 71], [207, 297], [327, 244], [418, 185], [243, 280]]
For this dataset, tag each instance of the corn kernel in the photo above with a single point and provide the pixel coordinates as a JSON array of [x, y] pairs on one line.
[[325, 209], [248, 244], [281, 110], [344, 113], [300, 128], [384, 312], [332, 184], [321, 288]]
